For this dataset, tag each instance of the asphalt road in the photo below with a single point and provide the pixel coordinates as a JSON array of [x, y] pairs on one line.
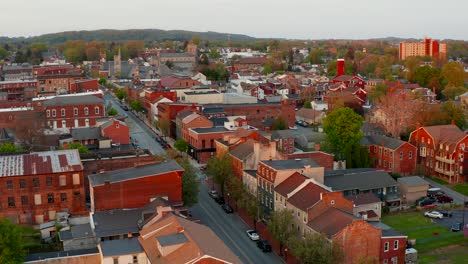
[[457, 197], [457, 217], [229, 227], [138, 130]]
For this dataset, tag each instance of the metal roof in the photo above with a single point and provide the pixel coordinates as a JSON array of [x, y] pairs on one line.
[[121, 247], [359, 180], [40, 163], [172, 239]]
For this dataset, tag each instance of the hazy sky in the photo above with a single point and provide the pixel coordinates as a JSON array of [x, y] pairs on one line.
[[303, 19]]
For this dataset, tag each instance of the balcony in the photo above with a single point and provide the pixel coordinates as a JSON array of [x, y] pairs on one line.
[[444, 159], [445, 172]]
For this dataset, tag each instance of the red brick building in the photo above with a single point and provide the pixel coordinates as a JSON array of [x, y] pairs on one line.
[[174, 81], [392, 246], [135, 187], [34, 187], [349, 81], [117, 131], [251, 63], [442, 152], [193, 120], [73, 111], [82, 86], [16, 89], [391, 154], [167, 113], [202, 142]]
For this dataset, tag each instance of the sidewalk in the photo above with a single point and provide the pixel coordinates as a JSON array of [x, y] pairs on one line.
[[457, 197]]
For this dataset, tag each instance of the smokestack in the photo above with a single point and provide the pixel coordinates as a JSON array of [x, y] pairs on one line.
[[340, 67]]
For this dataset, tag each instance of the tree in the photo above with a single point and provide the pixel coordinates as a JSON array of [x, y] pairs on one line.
[[316, 248], [411, 65], [3, 53], [455, 113], [92, 54], [343, 128], [450, 92], [76, 145], [136, 105], [112, 112], [204, 59], [11, 243], [169, 64], [181, 145], [190, 183], [252, 208], [134, 47], [220, 169], [454, 74], [423, 75], [315, 56], [214, 54], [10, 148], [267, 69], [195, 41], [377, 92], [120, 93], [279, 124], [102, 81], [280, 226]]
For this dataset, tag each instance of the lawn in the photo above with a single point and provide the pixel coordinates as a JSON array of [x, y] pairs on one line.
[[439, 181], [404, 221], [455, 254], [461, 188]]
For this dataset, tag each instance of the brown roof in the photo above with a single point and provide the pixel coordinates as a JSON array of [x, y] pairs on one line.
[[363, 198], [309, 113], [343, 78], [331, 221], [290, 184], [307, 196], [370, 213], [252, 60], [242, 151], [445, 134], [198, 241]]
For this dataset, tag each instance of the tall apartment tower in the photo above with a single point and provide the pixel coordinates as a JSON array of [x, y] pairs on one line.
[[428, 47]]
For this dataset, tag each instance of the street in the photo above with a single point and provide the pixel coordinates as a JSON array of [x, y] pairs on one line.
[[138, 130], [457, 197]]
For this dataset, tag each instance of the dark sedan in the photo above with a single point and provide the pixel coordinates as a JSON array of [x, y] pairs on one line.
[[227, 208]]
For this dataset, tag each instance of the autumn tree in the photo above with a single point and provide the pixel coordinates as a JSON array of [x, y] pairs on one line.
[[455, 113], [377, 92], [134, 48], [11, 243], [450, 92], [425, 74], [279, 124], [343, 128], [454, 74], [92, 54], [280, 226], [220, 169], [316, 248], [411, 65]]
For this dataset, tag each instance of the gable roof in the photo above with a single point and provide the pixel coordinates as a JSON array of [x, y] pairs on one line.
[[363, 198], [366, 180], [290, 184], [134, 173], [445, 134], [324, 223], [307, 196], [73, 100], [388, 142], [110, 122], [172, 239], [242, 151]]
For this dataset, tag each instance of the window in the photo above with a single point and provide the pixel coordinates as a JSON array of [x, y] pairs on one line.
[[116, 260], [395, 244], [62, 112], [50, 198], [389, 165], [37, 199], [35, 182], [410, 154], [48, 113], [385, 261], [49, 181], [63, 197], [9, 184], [117, 125], [62, 180], [76, 179], [135, 259], [385, 152], [75, 111], [385, 163], [96, 110], [385, 247], [394, 260], [54, 113], [24, 200], [86, 111], [22, 184], [11, 202], [401, 155]]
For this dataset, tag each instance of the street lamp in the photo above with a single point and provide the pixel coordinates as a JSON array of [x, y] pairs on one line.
[[286, 254], [228, 194]]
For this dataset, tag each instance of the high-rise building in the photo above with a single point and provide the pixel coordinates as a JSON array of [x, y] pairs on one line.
[[428, 47]]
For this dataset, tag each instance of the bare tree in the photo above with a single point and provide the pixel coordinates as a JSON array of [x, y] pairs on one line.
[[29, 129]]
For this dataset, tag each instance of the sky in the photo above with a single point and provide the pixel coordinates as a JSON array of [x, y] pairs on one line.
[[292, 19]]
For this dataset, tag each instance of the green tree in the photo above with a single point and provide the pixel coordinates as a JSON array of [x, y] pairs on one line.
[[454, 74], [267, 69], [120, 94], [75, 145], [456, 113], [343, 128], [102, 81], [308, 104], [3, 53], [279, 124], [378, 91], [220, 169], [280, 226], [315, 56], [10, 148], [316, 248], [181, 145], [423, 75], [136, 105], [190, 183], [11, 243], [411, 65], [214, 54], [252, 208], [332, 65], [450, 92], [112, 112]]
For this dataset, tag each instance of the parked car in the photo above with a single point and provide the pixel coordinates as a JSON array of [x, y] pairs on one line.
[[253, 235], [430, 206], [264, 245], [220, 200], [434, 214], [456, 227], [214, 194], [444, 199], [427, 201], [446, 213], [435, 192], [125, 108], [227, 208]]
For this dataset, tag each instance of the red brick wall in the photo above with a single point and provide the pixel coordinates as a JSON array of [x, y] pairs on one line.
[[25, 214], [258, 113], [118, 132], [70, 116], [392, 252], [138, 192], [84, 86], [359, 240], [321, 158]]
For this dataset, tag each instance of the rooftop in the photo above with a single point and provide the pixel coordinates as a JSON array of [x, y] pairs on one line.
[[323, 224], [204, 130], [366, 180], [119, 247], [307, 196], [73, 100], [391, 143], [40, 163], [290, 184], [76, 232], [134, 173], [290, 164], [60, 254], [412, 181], [84, 133], [363, 198], [172, 239]]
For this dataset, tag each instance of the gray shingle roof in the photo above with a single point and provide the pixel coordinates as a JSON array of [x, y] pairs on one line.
[[121, 247], [359, 180], [60, 254], [172, 239], [290, 164], [134, 173], [288, 133], [413, 181], [391, 143], [73, 100], [242, 151], [84, 133], [209, 130], [116, 222], [252, 173], [76, 232]]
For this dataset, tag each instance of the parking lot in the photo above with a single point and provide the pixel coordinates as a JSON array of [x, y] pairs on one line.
[[447, 222]]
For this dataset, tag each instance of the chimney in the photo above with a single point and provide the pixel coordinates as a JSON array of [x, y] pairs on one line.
[[340, 67], [453, 122]]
